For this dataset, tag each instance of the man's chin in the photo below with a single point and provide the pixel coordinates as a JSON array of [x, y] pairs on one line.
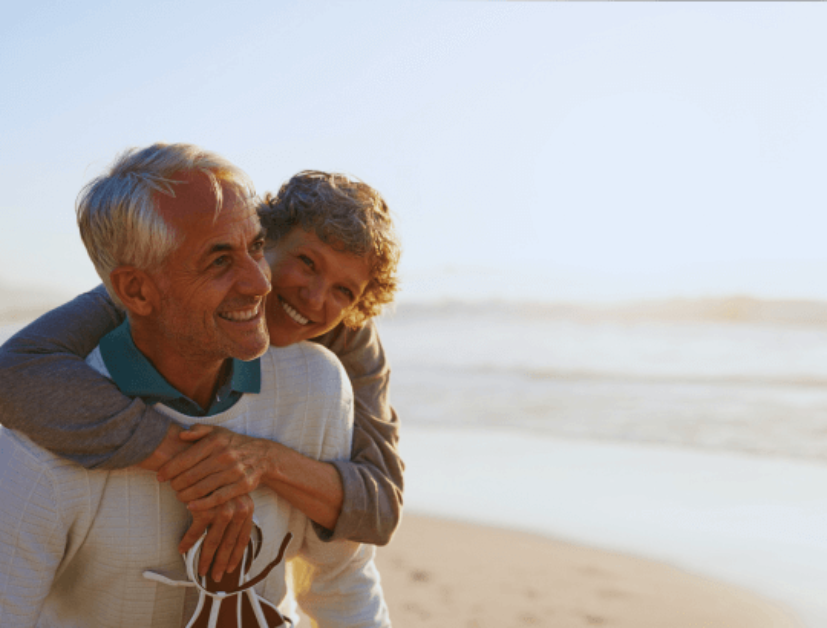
[[250, 348]]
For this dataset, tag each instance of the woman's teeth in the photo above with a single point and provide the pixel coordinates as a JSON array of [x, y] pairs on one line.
[[301, 320], [242, 316]]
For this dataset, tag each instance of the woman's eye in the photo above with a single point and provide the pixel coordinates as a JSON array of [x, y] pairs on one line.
[[306, 260], [347, 292]]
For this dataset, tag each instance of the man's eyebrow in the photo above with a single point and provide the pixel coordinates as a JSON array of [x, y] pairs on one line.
[[220, 247]]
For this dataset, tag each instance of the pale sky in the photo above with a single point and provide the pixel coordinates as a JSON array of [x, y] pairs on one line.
[[529, 150]]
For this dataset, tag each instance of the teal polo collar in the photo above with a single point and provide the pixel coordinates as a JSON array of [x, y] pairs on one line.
[[135, 376]]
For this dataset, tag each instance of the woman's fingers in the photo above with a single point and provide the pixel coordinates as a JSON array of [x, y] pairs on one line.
[[216, 498], [241, 544], [219, 488], [185, 461], [195, 432], [234, 541], [201, 480], [228, 529], [215, 535], [192, 535]]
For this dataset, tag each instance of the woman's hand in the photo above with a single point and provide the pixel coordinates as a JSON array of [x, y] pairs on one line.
[[219, 466], [228, 529]]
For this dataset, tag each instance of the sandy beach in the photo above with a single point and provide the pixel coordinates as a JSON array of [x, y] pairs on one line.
[[442, 573]]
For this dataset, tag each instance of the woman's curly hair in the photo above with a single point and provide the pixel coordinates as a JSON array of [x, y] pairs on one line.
[[348, 215]]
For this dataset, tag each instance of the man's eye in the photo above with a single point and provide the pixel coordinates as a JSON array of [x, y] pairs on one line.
[[221, 261], [257, 247]]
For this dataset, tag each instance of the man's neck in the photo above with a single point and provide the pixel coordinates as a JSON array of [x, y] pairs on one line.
[[196, 377]]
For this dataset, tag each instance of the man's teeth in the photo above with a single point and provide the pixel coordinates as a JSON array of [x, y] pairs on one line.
[[301, 320], [242, 316]]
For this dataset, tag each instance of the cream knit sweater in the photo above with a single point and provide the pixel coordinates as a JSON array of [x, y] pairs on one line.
[[74, 543]]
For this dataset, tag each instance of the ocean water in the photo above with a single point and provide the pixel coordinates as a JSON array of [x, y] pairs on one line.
[[747, 387]]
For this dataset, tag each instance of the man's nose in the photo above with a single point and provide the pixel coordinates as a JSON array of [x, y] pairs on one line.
[[254, 277]]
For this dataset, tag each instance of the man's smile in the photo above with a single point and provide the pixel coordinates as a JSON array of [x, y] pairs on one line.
[[241, 316]]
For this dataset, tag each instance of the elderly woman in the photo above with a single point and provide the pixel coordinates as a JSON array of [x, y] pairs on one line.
[[333, 253]]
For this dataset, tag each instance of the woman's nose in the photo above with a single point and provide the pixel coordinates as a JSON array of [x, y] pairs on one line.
[[314, 292]]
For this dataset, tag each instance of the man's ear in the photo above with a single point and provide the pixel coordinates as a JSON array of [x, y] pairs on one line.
[[136, 290]]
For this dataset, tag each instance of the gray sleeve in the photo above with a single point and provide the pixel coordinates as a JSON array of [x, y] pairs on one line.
[[52, 396], [372, 478]]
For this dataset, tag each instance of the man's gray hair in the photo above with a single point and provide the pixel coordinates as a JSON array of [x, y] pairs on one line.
[[118, 211]]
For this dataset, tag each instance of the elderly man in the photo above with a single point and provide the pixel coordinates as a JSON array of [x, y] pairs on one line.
[[177, 242]]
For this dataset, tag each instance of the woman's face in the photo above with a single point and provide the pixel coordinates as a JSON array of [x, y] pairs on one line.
[[314, 285]]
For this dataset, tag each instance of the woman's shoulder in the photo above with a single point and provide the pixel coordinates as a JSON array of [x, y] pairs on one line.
[[343, 340]]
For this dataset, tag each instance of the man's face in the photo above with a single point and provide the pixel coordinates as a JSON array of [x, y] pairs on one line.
[[314, 286], [213, 286]]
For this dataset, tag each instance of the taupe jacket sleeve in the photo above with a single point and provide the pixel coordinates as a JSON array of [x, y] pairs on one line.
[[372, 478], [50, 394]]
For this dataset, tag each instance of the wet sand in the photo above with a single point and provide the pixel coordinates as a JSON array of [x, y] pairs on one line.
[[442, 573]]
